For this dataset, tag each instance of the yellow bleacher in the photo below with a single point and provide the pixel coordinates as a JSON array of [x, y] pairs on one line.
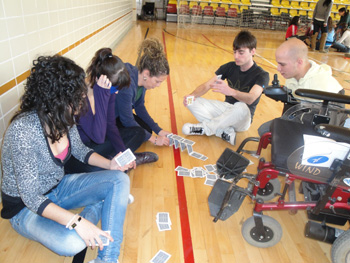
[[203, 4], [275, 11], [245, 2], [310, 14], [304, 5], [293, 12], [214, 5], [236, 2], [193, 4], [237, 8], [285, 3], [225, 6], [275, 2], [284, 10], [242, 7], [312, 6], [302, 12], [295, 4]]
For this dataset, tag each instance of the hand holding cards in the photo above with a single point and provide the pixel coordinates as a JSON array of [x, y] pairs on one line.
[[105, 240], [189, 100], [125, 158]]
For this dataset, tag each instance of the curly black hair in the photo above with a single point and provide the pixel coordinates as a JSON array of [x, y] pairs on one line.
[[152, 58], [56, 90], [105, 63]]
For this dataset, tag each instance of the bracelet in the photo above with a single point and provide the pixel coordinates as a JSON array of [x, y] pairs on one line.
[[71, 220], [75, 223], [155, 141]]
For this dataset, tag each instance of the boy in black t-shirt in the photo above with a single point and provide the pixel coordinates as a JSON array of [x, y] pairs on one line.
[[244, 86]]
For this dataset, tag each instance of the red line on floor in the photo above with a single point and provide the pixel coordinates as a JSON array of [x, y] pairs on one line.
[[185, 223]]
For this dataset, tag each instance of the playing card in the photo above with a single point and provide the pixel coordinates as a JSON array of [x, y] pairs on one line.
[[180, 168], [184, 173], [189, 148], [160, 257], [189, 100], [125, 158], [196, 155]]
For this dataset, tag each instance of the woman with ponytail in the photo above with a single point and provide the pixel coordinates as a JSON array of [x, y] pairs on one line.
[[106, 76], [151, 70]]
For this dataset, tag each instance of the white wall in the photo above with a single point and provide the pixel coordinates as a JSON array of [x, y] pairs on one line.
[[76, 28]]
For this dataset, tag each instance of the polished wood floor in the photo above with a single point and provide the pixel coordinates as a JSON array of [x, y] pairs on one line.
[[194, 53]]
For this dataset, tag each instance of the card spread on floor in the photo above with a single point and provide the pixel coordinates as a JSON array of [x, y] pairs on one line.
[[163, 221], [160, 257], [200, 172], [125, 158], [185, 144]]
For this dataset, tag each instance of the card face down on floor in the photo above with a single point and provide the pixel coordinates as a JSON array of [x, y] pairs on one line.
[[160, 257]]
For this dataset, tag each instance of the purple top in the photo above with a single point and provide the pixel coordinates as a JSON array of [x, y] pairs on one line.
[[95, 128]]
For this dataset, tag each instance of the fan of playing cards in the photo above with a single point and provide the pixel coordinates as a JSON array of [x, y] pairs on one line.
[[184, 144]]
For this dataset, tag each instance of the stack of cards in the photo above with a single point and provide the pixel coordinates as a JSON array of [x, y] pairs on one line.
[[198, 172], [160, 257], [125, 158], [184, 144], [163, 221]]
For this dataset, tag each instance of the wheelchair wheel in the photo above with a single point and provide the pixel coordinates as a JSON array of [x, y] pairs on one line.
[[268, 192], [341, 248], [273, 232]]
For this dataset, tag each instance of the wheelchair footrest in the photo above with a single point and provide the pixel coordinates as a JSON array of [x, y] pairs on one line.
[[228, 205], [231, 164]]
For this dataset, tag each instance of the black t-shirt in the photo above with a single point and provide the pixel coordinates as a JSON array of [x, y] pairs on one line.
[[243, 81]]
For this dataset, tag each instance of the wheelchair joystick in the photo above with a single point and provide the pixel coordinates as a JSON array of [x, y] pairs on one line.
[[275, 81]]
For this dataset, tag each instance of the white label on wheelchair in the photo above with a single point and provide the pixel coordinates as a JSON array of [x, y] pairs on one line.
[[321, 152], [346, 181]]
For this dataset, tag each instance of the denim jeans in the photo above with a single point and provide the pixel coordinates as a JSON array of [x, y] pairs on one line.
[[104, 195], [340, 47], [219, 116]]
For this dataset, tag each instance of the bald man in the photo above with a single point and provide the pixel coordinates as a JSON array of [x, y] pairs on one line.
[[302, 73]]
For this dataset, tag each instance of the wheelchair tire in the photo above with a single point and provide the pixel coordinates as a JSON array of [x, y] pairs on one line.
[[268, 192], [341, 248], [271, 226]]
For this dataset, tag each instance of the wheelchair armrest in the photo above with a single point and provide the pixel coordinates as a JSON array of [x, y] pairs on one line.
[[322, 95], [340, 134]]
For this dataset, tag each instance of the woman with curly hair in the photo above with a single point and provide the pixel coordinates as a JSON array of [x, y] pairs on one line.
[[106, 76], [150, 71], [37, 195]]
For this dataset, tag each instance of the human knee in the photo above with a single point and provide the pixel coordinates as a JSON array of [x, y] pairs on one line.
[[72, 245]]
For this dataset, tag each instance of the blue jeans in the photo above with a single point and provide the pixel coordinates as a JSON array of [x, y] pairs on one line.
[[340, 47], [104, 195]]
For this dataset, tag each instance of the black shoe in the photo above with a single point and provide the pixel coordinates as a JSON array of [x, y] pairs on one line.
[[145, 157]]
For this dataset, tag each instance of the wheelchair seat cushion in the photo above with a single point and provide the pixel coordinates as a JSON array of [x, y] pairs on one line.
[[287, 136]]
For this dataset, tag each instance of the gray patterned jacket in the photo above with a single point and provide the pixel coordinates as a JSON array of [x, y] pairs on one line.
[[29, 168]]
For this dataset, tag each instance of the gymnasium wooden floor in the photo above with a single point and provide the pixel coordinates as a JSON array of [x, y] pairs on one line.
[[194, 54]]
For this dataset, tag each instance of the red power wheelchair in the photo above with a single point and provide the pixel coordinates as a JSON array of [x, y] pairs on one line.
[[326, 190]]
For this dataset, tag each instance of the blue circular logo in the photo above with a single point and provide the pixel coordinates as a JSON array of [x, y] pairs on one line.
[[317, 159]]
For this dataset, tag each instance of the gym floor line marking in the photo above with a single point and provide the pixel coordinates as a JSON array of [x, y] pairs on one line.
[[185, 223]]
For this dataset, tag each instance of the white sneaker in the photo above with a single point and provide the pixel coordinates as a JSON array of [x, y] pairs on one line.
[[193, 129], [229, 137], [131, 199]]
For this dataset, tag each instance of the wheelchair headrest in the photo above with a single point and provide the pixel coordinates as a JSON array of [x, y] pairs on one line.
[[339, 134], [322, 95]]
